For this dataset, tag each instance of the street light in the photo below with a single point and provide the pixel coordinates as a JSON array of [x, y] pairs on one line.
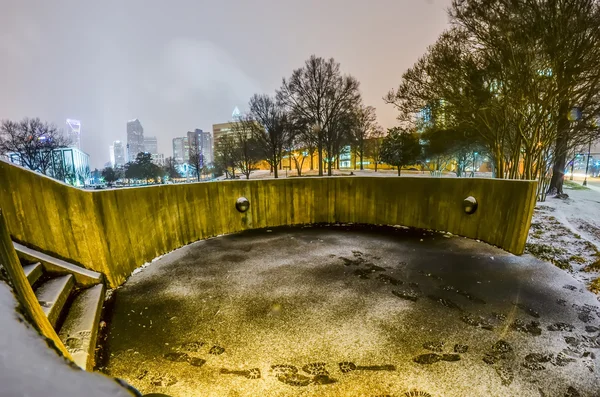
[[587, 164]]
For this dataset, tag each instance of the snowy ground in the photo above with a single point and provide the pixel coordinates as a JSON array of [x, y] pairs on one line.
[[567, 233]]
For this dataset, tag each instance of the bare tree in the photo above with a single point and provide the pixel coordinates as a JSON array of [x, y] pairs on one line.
[[225, 156], [196, 161], [318, 94], [366, 121], [298, 152], [338, 134], [246, 150], [32, 142], [271, 128]]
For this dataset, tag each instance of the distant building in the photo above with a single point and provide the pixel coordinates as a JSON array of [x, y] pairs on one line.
[[202, 140], [135, 139], [206, 145], [68, 164], [221, 130], [74, 133], [192, 137], [181, 150], [117, 154], [151, 144], [158, 159]]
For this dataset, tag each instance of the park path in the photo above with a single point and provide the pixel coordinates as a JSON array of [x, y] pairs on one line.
[[567, 233]]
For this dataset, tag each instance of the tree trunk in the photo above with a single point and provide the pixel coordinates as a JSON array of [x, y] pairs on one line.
[[376, 163], [320, 149], [312, 155], [361, 158], [399, 170], [498, 162], [560, 152], [558, 170]]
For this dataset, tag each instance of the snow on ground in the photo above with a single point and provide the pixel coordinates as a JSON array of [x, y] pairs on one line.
[[567, 233]]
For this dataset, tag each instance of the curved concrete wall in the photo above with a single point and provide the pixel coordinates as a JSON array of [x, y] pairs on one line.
[[115, 231]]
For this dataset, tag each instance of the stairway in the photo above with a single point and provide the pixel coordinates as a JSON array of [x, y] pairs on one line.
[[71, 297]]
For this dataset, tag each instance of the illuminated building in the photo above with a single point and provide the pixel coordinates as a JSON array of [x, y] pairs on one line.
[[74, 133], [135, 139]]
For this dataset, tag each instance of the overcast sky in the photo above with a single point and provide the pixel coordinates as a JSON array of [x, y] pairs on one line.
[[183, 64]]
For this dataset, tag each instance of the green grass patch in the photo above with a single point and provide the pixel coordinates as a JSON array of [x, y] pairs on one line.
[[551, 254], [595, 286], [575, 186], [594, 266], [577, 258]]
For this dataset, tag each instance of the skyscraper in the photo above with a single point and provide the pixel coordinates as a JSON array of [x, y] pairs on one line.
[[207, 147], [135, 139], [202, 140], [193, 140], [151, 144], [74, 133], [181, 150], [117, 156]]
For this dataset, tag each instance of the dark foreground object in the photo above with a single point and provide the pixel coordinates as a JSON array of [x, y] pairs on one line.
[[345, 311]]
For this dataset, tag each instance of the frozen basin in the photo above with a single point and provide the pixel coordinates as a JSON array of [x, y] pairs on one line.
[[351, 311]]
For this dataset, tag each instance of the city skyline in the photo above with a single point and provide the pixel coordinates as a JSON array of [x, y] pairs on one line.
[[175, 77]]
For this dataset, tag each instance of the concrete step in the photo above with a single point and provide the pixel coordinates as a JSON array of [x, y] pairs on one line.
[[33, 272], [52, 296], [83, 277], [80, 329]]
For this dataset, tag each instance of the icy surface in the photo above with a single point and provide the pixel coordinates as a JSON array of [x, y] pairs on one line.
[[28, 367], [566, 232]]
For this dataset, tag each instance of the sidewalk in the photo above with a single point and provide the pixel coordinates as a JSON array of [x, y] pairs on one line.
[[567, 233]]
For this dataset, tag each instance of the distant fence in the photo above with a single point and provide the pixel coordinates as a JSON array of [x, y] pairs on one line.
[[116, 231]]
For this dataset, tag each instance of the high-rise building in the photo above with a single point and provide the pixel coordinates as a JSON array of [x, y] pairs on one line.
[[151, 144], [202, 140], [181, 150], [117, 155], [74, 133], [207, 146], [223, 130], [135, 139], [193, 140]]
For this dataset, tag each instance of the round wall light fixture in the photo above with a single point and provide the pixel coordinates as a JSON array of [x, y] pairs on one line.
[[242, 204], [470, 205]]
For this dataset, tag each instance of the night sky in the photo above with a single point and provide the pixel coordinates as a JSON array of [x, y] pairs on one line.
[[180, 65]]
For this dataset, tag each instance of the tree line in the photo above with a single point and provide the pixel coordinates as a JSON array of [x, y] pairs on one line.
[[142, 169], [517, 80], [318, 110]]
